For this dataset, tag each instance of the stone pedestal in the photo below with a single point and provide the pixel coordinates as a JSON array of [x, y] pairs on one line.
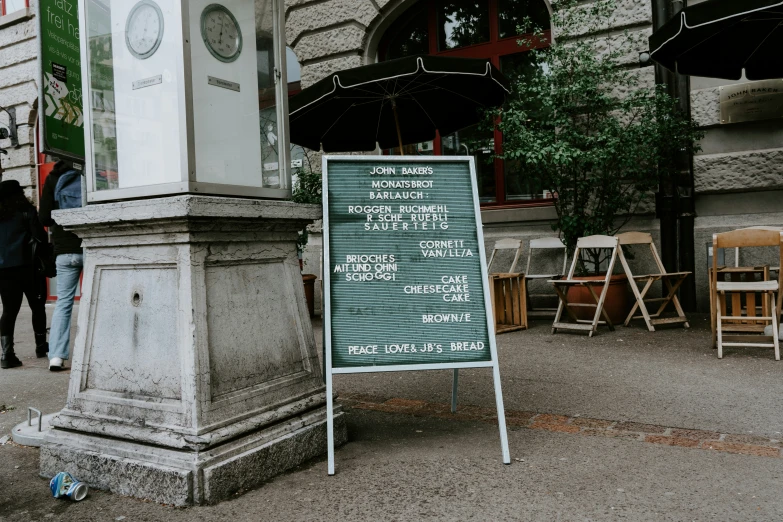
[[194, 372]]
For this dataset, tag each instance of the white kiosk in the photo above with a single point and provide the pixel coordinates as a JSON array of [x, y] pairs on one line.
[[194, 372]]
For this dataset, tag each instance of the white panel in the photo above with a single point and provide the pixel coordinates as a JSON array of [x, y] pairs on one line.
[[226, 123], [151, 132]]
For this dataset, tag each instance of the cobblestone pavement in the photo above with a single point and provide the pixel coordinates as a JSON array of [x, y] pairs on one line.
[[627, 425]]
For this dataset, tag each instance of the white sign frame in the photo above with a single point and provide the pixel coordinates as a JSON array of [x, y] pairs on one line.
[[329, 371]]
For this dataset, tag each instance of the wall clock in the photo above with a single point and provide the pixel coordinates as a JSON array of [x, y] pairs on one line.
[[144, 29], [221, 33]]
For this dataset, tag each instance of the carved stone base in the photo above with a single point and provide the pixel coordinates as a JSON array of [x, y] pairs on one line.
[[194, 370], [184, 478]]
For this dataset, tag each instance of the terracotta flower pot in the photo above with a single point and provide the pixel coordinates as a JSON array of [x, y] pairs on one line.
[[616, 303]]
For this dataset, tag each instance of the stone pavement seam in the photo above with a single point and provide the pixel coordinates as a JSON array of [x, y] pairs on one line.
[[739, 444]]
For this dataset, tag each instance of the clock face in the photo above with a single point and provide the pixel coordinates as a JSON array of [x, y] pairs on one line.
[[221, 33], [144, 29]]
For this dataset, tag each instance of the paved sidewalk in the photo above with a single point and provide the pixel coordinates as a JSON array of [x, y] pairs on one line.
[[627, 425]]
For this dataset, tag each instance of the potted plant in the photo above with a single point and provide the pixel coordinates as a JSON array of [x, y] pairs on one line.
[[586, 128], [307, 189]]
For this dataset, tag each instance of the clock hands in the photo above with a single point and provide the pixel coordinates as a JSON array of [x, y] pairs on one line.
[[222, 24]]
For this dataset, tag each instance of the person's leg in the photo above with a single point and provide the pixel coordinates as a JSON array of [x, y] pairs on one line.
[[11, 297], [35, 291], [69, 268]]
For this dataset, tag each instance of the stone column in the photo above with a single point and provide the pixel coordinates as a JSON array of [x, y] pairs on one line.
[[194, 372]]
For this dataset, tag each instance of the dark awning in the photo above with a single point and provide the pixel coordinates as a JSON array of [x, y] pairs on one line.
[[353, 110], [720, 38]]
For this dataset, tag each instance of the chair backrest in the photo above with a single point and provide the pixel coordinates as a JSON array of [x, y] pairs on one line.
[[595, 242], [635, 238], [546, 243], [641, 238], [749, 237], [737, 249], [506, 244]]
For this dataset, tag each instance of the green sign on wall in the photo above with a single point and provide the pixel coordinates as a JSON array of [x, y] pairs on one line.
[[405, 281], [61, 103]]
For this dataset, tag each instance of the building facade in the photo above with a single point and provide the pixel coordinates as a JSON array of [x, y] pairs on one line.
[[738, 175], [19, 90]]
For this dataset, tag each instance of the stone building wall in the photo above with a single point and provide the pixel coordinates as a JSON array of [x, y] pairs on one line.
[[331, 35], [738, 176], [19, 89]]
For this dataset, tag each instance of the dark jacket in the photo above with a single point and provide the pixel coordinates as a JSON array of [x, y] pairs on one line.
[[15, 233], [64, 242]]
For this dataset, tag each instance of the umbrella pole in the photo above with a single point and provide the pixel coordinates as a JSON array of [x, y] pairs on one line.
[[397, 123]]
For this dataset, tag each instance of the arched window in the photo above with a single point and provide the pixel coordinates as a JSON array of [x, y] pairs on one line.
[[473, 29]]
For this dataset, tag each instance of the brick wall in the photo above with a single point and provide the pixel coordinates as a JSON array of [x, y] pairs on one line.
[[19, 89]]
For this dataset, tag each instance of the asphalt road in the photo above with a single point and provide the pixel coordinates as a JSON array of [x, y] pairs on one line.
[[404, 467]]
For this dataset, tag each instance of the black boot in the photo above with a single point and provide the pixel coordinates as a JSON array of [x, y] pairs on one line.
[[8, 359], [41, 346]]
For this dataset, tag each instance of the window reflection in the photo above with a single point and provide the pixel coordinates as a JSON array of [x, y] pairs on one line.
[[462, 23], [410, 34], [519, 185], [479, 142], [104, 117], [14, 5], [512, 14], [267, 105], [459, 24], [425, 148]]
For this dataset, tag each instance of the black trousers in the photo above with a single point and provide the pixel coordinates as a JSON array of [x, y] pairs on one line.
[[14, 284]]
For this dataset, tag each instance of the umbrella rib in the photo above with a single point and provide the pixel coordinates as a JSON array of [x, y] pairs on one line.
[[378, 127], [312, 108], [335, 121], [426, 113], [415, 83], [760, 44], [459, 94]]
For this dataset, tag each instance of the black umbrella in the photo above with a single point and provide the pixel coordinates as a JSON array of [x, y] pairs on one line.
[[720, 38], [393, 103]]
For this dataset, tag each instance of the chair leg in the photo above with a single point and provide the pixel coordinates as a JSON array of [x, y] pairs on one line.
[[560, 305], [599, 311], [672, 297], [775, 327], [643, 307], [718, 330]]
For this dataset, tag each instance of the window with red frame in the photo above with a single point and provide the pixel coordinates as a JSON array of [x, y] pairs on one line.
[[474, 29], [10, 6]]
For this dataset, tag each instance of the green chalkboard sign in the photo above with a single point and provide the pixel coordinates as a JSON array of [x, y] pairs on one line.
[[406, 284], [61, 79], [405, 278]]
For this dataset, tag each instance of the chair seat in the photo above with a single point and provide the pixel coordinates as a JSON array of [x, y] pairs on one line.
[[661, 276], [542, 276], [506, 275], [749, 286], [575, 282]]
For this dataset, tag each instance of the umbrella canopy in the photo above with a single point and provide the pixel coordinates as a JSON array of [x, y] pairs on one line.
[[399, 101], [720, 38]]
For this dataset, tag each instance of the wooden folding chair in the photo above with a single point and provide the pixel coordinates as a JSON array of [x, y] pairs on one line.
[[508, 291], [562, 286], [670, 281], [743, 319], [546, 243], [738, 274], [506, 244]]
